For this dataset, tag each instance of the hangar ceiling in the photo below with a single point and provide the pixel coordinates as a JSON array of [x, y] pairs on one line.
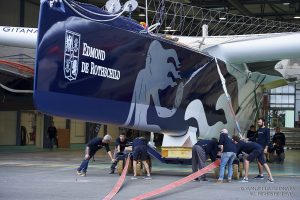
[[279, 10], [230, 17]]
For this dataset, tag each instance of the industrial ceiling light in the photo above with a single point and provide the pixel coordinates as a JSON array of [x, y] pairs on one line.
[[169, 30], [142, 15], [297, 17], [222, 18], [286, 4]]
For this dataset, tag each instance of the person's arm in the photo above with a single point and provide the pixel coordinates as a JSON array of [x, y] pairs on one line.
[[214, 152], [87, 153], [283, 139], [221, 148], [118, 148], [133, 144], [110, 156], [248, 135], [255, 136], [109, 152], [221, 142], [238, 149], [273, 138], [267, 140]]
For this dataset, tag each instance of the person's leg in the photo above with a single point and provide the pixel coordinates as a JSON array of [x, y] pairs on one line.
[[144, 158], [259, 155], [260, 169], [146, 167], [134, 167], [262, 161], [195, 160], [266, 166], [114, 164], [272, 157], [81, 166], [88, 156], [85, 165], [224, 159], [198, 160], [51, 143], [281, 157], [135, 157], [202, 159], [246, 167], [230, 163]]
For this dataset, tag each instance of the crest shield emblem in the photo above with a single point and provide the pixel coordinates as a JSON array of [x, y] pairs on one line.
[[71, 55]]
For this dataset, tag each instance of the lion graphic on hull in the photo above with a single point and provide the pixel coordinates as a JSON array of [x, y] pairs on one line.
[[151, 79]]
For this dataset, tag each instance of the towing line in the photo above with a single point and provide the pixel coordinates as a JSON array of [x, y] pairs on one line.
[[179, 182], [119, 183]]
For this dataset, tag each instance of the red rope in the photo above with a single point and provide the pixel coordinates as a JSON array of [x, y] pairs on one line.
[[119, 183], [179, 182]]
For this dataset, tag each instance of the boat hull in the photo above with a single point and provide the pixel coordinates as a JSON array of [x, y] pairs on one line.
[[104, 73]]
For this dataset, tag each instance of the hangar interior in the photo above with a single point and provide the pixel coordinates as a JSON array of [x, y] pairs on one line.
[[30, 171], [17, 110]]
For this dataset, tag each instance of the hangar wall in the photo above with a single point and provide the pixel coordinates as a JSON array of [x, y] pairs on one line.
[[19, 13], [8, 121], [297, 104]]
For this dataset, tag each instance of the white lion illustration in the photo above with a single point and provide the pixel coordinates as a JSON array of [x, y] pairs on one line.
[[151, 79]]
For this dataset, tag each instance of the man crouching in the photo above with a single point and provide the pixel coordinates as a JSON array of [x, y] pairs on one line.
[[254, 151]]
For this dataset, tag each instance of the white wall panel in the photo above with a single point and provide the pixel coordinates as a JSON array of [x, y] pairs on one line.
[[59, 122], [77, 132]]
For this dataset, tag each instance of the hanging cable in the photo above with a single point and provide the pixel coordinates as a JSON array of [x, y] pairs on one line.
[[99, 14], [96, 20], [228, 99], [153, 27]]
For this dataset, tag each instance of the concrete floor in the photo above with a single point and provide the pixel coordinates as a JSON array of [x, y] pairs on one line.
[[46, 175]]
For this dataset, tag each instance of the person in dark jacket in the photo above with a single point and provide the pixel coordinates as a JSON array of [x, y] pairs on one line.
[[200, 153], [278, 141], [139, 152], [91, 148], [228, 150], [254, 151], [52, 135], [252, 134], [263, 139], [120, 145]]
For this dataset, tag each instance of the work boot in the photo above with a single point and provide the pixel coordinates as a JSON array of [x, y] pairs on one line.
[[245, 180], [270, 180], [259, 177], [78, 172], [204, 179], [219, 181], [147, 177], [83, 174], [112, 172]]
